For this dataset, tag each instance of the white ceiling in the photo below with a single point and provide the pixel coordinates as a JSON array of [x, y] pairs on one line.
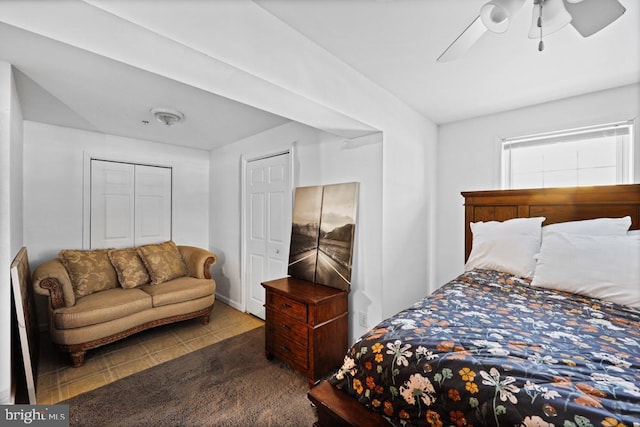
[[63, 85], [394, 43]]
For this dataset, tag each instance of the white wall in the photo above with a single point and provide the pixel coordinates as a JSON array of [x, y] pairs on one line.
[[16, 203], [16, 180], [469, 155], [10, 213], [54, 159], [408, 147], [6, 80], [319, 158]]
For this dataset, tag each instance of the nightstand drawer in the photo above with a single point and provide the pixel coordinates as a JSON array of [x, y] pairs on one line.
[[287, 306], [284, 325], [289, 350]]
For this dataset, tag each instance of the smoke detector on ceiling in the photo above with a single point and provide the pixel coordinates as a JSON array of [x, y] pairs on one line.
[[167, 116]]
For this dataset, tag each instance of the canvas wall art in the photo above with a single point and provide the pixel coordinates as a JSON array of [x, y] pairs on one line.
[[305, 230], [322, 234], [26, 320]]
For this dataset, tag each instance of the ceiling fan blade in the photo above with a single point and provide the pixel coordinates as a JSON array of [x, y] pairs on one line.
[[469, 36], [591, 16]]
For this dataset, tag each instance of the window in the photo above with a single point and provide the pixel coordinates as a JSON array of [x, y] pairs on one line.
[[597, 155]]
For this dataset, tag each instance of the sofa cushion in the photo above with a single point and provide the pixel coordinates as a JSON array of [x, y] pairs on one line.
[[102, 307], [141, 319], [179, 290], [89, 271], [163, 261], [129, 267]]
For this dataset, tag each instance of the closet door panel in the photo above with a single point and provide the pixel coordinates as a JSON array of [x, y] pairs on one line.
[[130, 204], [152, 204], [112, 204]]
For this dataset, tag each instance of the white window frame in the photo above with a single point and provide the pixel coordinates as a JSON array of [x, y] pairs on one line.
[[625, 147]]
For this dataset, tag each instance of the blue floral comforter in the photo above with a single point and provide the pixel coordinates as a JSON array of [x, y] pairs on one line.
[[488, 349]]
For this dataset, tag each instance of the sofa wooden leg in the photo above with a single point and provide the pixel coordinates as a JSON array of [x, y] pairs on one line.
[[78, 358], [205, 319]]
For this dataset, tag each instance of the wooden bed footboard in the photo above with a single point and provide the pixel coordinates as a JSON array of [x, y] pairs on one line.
[[337, 409]]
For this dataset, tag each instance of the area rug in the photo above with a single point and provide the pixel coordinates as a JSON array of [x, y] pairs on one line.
[[230, 383]]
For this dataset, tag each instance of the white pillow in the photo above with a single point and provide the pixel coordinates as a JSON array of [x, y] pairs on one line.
[[634, 234], [594, 227], [605, 267], [507, 246]]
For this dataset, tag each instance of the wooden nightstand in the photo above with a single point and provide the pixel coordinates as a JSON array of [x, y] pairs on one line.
[[306, 326]]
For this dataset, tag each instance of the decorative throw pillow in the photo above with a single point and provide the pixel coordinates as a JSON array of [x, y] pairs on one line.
[[129, 267], [508, 246], [605, 267], [89, 271], [163, 261]]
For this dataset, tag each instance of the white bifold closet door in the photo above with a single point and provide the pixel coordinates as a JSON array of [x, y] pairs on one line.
[[130, 204]]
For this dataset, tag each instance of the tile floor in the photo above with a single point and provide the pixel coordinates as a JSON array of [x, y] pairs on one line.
[[58, 380]]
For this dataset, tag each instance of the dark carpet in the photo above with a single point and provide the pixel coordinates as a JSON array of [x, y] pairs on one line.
[[230, 383]]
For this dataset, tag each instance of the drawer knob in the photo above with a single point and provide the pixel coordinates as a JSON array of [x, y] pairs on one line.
[[287, 327], [285, 348], [285, 305]]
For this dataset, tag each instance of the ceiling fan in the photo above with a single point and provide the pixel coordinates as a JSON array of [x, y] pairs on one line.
[[586, 16]]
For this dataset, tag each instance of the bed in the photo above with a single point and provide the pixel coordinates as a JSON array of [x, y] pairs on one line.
[[496, 348]]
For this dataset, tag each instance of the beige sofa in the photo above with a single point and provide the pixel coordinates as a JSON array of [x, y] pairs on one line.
[[100, 296]]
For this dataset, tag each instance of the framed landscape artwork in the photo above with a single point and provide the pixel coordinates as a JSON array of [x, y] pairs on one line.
[[322, 234]]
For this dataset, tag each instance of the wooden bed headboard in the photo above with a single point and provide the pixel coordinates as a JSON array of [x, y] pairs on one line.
[[556, 204]]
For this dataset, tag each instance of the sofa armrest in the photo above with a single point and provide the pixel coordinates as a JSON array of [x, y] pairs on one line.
[[51, 279], [198, 261]]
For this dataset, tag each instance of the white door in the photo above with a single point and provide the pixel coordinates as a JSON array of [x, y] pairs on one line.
[[267, 225], [112, 204], [153, 205], [130, 204]]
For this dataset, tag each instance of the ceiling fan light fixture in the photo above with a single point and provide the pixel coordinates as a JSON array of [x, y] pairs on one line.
[[590, 16], [167, 116], [586, 16], [496, 14], [554, 17]]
